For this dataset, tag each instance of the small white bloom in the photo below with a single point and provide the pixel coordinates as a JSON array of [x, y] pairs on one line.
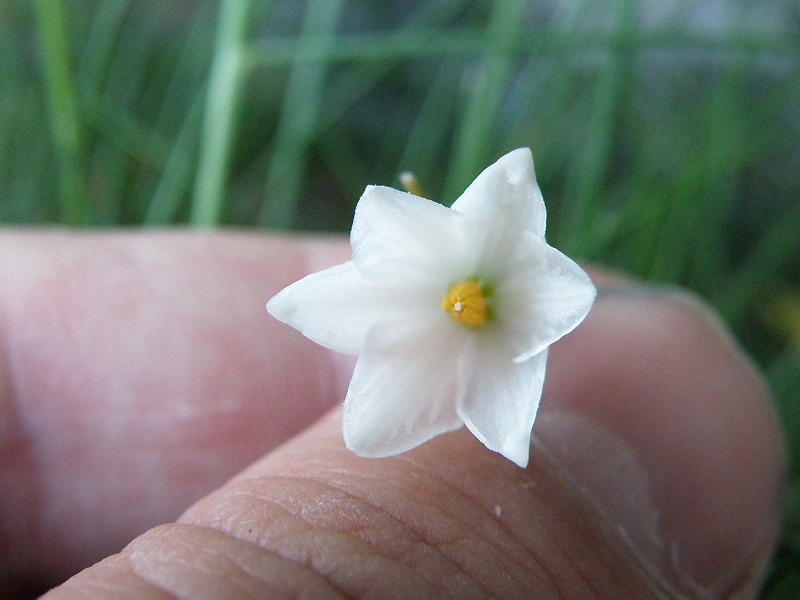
[[450, 309]]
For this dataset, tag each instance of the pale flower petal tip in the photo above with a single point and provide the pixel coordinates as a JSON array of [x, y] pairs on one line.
[[451, 312]]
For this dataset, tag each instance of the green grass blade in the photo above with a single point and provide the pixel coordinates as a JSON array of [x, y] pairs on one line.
[[484, 101], [424, 27], [588, 171], [176, 176], [65, 125], [428, 137], [217, 130], [99, 47], [299, 116]]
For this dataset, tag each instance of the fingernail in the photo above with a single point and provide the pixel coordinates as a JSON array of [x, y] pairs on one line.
[[655, 417]]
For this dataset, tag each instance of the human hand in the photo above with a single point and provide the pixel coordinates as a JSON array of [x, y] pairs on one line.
[[141, 372]]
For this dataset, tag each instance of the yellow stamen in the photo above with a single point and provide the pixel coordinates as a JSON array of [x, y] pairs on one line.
[[466, 302]]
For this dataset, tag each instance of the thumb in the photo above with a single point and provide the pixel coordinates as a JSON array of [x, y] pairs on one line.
[[655, 472]]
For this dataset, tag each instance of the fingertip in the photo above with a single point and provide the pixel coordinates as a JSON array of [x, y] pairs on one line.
[[664, 392]]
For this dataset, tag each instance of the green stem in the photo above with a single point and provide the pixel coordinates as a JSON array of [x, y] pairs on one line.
[[62, 112], [217, 130]]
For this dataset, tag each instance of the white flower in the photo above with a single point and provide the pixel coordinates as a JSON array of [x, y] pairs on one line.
[[451, 311]]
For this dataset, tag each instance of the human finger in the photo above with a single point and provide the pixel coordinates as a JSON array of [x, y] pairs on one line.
[[656, 471], [139, 371]]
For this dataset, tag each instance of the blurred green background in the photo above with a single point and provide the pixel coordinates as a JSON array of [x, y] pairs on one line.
[[666, 133]]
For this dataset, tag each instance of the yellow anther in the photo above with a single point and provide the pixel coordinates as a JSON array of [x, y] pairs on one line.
[[466, 302]]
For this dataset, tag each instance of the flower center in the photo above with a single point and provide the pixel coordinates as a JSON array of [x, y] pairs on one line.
[[466, 301]]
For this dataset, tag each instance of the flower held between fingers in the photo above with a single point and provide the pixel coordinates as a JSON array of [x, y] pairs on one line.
[[451, 311]]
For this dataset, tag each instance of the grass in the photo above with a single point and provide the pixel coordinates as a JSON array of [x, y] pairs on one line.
[[666, 145]]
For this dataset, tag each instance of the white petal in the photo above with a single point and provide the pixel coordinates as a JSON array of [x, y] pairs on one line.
[[335, 307], [405, 236], [540, 305], [510, 184], [403, 388], [500, 404]]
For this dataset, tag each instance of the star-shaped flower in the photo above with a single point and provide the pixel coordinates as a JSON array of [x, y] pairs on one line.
[[451, 311]]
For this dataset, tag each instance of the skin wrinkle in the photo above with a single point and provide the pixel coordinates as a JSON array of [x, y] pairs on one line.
[[489, 511], [317, 468], [419, 533], [116, 580], [260, 543], [275, 545], [406, 527], [355, 529], [199, 551], [525, 486], [140, 559], [530, 548], [417, 466]]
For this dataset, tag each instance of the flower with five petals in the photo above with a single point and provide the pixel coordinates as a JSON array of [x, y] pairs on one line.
[[451, 311]]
